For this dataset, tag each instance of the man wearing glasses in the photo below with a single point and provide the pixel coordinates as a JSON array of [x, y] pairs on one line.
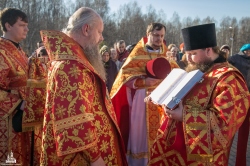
[[137, 120]]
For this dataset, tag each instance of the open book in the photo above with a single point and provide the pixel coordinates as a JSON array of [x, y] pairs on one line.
[[175, 86]]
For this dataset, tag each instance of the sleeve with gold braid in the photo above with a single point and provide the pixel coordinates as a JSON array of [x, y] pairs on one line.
[[36, 95]]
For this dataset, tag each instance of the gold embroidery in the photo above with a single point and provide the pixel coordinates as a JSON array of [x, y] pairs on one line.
[[196, 126], [74, 71], [200, 157], [217, 131], [74, 120], [34, 83], [138, 155], [80, 94]]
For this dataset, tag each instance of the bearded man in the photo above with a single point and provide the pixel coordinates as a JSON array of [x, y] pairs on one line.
[[139, 121], [201, 129], [80, 126]]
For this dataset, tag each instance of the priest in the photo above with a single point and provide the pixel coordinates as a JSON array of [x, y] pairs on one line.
[[201, 129]]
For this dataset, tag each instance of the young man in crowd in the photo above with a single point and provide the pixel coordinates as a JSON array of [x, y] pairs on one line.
[[121, 51], [13, 80]]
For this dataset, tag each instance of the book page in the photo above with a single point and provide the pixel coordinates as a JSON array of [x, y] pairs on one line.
[[184, 86], [167, 85]]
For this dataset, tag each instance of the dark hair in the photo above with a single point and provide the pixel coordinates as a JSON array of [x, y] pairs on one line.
[[155, 26], [225, 47], [11, 15], [217, 50], [121, 42]]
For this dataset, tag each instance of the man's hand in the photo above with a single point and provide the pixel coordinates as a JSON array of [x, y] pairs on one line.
[[98, 162], [147, 99], [152, 81], [176, 114]]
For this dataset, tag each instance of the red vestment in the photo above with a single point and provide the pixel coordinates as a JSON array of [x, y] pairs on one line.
[[135, 68], [213, 112], [79, 120], [35, 105], [13, 80]]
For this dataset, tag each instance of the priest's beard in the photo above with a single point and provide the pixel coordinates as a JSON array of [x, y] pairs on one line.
[[94, 57], [204, 67], [156, 47]]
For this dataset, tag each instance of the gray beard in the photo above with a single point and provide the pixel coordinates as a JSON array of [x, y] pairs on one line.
[[94, 57]]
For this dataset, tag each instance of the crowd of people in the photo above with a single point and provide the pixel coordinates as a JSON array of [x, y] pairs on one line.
[[73, 103]]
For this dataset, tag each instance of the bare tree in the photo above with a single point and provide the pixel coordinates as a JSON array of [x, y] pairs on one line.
[[224, 32], [128, 23], [174, 30], [243, 33], [187, 21]]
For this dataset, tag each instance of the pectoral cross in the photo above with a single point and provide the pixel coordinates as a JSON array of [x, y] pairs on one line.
[[194, 112]]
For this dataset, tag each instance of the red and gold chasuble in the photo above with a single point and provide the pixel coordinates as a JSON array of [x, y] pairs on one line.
[[134, 67], [35, 104], [79, 120], [36, 95], [213, 112], [13, 80]]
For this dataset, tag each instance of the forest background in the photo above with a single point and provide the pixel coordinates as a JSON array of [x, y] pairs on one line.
[[129, 23]]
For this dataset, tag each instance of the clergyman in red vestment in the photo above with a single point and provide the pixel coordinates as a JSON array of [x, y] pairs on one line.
[[80, 126], [201, 129], [138, 120], [13, 80]]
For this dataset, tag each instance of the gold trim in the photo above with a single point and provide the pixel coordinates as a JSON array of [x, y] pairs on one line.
[[196, 126], [10, 61], [31, 126], [138, 155], [34, 83], [12, 109], [217, 131], [200, 157], [74, 120], [62, 153]]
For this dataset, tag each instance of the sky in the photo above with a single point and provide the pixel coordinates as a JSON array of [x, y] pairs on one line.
[[192, 8]]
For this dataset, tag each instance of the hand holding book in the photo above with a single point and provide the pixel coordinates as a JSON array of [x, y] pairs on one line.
[[174, 87], [176, 113]]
